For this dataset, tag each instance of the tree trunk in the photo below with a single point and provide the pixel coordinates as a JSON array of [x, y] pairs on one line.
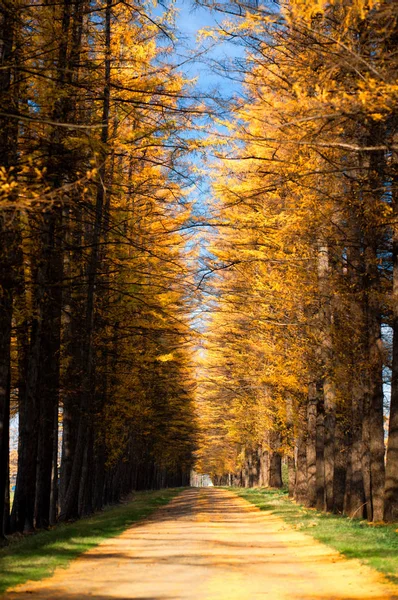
[[329, 391], [275, 470], [329, 450], [340, 463], [5, 374], [375, 345], [79, 477], [291, 465], [19, 519], [300, 490], [391, 486], [355, 502], [275, 460], [55, 478], [391, 483], [320, 454], [366, 472], [264, 466], [311, 444], [49, 281], [50, 277], [8, 139]]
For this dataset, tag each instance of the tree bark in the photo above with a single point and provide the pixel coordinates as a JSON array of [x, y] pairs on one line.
[[375, 345], [8, 248], [50, 281], [22, 515], [79, 477], [320, 454], [391, 486], [300, 490], [355, 502], [329, 391], [5, 374], [264, 466], [340, 463], [311, 444]]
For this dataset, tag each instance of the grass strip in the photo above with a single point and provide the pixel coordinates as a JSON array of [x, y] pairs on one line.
[[374, 545], [35, 557]]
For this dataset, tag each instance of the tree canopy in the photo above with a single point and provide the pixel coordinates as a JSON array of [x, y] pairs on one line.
[[118, 384]]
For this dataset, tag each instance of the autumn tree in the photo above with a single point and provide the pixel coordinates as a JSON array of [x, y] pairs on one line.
[[307, 189], [96, 333]]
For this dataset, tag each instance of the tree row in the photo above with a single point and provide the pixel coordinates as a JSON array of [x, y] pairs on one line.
[[300, 357], [95, 366]]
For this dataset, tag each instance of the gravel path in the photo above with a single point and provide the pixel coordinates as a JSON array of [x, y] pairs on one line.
[[208, 544]]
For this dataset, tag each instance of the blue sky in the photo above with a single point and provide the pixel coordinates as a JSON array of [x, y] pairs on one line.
[[191, 20]]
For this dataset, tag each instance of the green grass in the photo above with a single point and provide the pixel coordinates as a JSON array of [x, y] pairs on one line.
[[376, 546], [35, 557]]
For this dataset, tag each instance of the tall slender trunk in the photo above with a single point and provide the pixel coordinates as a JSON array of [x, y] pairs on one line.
[[375, 181], [8, 248], [340, 461], [311, 444], [391, 483], [300, 490], [391, 486], [22, 516], [329, 448], [329, 391], [374, 415], [79, 477], [365, 456], [73, 334], [320, 452], [5, 374], [107, 359], [355, 493], [275, 460], [264, 464], [73, 329], [291, 464], [355, 500], [55, 479], [50, 278]]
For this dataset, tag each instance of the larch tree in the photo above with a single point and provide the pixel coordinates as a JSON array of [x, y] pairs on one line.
[[95, 285], [306, 203]]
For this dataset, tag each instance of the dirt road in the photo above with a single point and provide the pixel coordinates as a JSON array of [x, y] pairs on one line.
[[208, 544]]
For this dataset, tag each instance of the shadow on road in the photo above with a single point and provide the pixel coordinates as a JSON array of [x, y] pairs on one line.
[[206, 545]]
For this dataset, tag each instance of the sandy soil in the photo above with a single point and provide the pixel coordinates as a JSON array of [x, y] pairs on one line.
[[208, 544]]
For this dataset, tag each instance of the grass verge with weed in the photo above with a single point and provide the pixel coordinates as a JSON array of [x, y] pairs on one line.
[[374, 545], [35, 557]]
